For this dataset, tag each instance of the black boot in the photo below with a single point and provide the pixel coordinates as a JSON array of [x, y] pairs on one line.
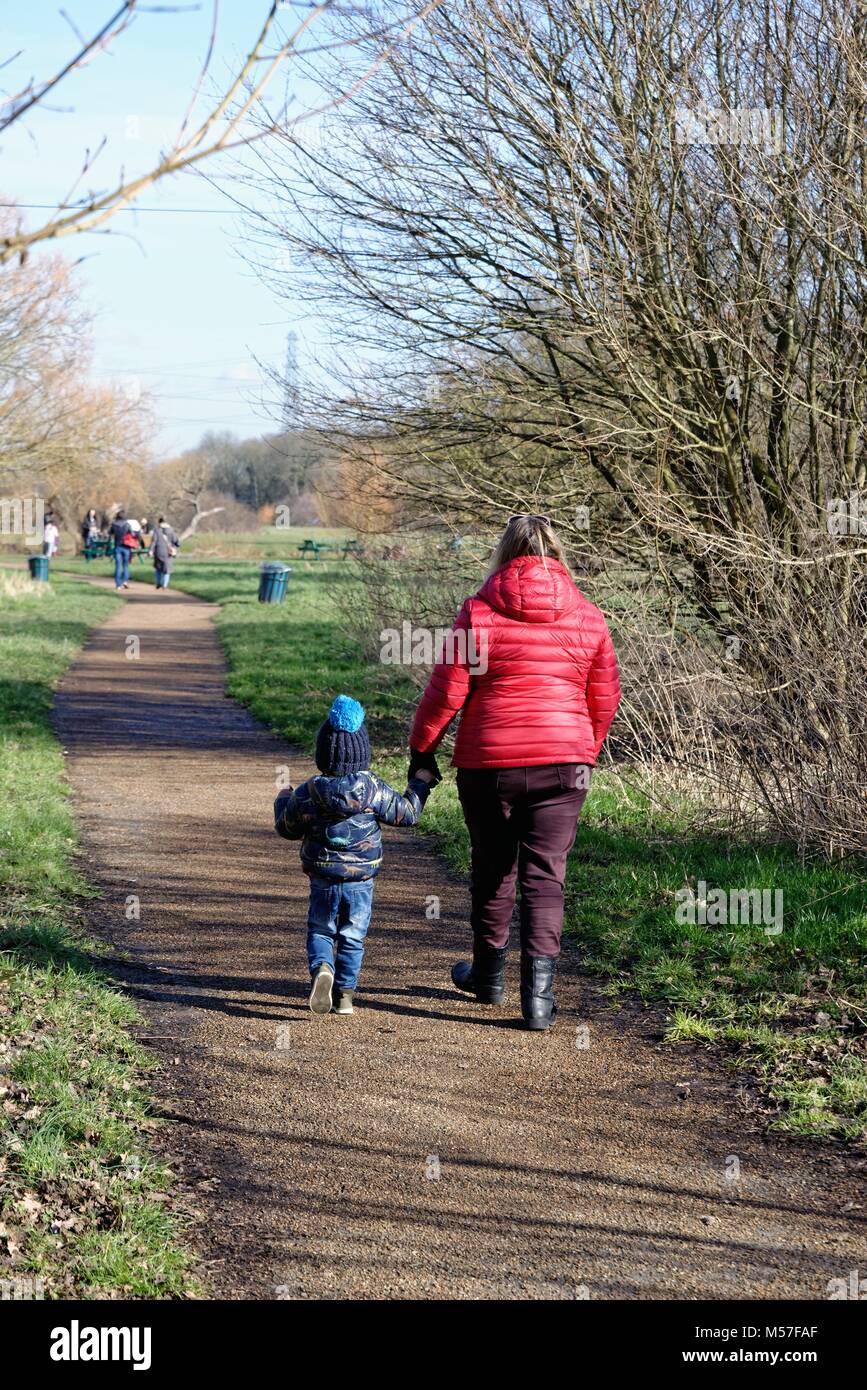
[[537, 994], [486, 977]]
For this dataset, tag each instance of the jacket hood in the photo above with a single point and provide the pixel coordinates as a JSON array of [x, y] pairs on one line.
[[531, 589]]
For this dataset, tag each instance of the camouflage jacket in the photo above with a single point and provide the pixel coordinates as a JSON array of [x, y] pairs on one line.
[[337, 820]]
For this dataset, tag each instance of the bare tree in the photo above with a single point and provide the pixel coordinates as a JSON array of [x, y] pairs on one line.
[[223, 127], [613, 256], [185, 484], [60, 435], [630, 234]]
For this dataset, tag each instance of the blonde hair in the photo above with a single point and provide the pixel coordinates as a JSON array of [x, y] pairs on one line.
[[527, 535]]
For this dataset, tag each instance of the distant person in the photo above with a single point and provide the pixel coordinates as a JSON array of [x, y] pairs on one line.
[[135, 535], [50, 537], [125, 541], [164, 547], [90, 528], [337, 817]]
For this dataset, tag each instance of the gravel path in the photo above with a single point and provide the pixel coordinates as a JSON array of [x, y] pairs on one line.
[[426, 1147]]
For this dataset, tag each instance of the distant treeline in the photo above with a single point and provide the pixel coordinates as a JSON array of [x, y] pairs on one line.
[[262, 471]]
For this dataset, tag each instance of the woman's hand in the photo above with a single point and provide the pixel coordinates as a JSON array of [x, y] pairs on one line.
[[423, 762]]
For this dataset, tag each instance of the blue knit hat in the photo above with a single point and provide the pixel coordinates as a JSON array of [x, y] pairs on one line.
[[342, 745]]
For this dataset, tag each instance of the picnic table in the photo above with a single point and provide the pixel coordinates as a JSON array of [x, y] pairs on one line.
[[103, 549], [311, 548], [96, 550]]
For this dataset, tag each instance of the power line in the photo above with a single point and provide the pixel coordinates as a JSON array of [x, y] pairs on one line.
[[179, 376], [172, 421], [171, 369], [84, 207], [216, 400]]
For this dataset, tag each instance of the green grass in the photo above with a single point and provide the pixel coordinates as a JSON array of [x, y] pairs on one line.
[[268, 543], [791, 1008], [288, 661], [82, 1204]]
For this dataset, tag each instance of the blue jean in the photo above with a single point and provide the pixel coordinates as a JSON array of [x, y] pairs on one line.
[[121, 565], [337, 923], [162, 577]]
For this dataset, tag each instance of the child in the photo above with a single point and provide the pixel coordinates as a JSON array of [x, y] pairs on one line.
[[50, 537], [337, 818]]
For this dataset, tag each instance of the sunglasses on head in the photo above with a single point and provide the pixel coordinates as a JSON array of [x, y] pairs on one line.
[[530, 516]]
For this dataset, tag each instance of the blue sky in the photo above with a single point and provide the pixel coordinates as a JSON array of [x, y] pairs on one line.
[[177, 311]]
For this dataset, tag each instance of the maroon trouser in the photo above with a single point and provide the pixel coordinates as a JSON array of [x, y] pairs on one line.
[[522, 823]]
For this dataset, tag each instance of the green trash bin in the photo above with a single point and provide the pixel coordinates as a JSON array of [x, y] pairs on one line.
[[272, 582], [38, 567]]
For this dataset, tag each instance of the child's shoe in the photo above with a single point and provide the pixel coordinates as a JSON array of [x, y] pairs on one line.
[[343, 1001], [320, 994]]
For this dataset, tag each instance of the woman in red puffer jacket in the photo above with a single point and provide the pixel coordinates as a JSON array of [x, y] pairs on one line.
[[531, 670]]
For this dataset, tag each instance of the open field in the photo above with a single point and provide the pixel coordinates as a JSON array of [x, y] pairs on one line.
[[268, 543]]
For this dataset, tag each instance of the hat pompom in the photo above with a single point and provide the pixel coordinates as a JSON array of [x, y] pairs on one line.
[[346, 714]]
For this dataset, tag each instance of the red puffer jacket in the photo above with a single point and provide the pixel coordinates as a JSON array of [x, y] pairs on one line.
[[531, 667]]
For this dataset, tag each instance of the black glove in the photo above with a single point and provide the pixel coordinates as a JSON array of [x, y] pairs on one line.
[[423, 762]]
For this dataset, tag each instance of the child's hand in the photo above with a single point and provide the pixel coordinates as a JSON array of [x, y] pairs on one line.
[[424, 776]]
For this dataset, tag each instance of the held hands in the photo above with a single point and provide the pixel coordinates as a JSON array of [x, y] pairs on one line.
[[423, 765]]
